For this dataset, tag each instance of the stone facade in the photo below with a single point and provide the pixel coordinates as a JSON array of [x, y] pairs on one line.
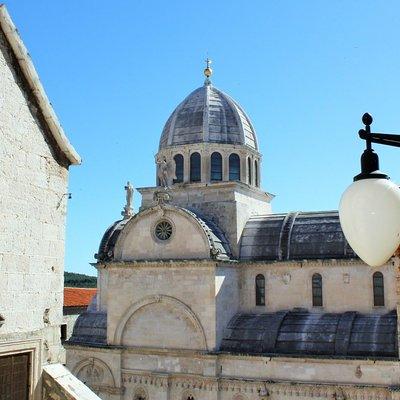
[[247, 175], [173, 374], [227, 204], [180, 312], [346, 285], [167, 318]]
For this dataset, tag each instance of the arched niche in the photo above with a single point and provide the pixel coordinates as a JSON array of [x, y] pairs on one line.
[[94, 372], [160, 322]]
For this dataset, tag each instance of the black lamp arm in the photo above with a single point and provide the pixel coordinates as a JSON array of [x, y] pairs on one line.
[[369, 159], [380, 138]]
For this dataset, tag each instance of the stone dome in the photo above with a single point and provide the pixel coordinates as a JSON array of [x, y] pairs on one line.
[[208, 115]]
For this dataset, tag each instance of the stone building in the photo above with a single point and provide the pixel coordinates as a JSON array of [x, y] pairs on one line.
[[35, 156], [205, 294]]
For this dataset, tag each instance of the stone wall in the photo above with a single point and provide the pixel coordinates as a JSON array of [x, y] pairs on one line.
[[226, 297], [138, 241], [98, 369], [33, 186], [205, 150], [156, 361], [346, 286], [183, 291], [227, 204], [171, 375]]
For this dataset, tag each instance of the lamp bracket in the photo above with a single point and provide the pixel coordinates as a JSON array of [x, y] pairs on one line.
[[387, 139]]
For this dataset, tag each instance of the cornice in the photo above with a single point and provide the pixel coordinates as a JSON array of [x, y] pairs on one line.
[[92, 349], [181, 263], [221, 356], [170, 352], [240, 187], [233, 263], [209, 147], [331, 262]]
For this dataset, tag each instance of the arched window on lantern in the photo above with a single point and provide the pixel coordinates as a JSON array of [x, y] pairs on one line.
[[260, 290], [256, 180], [249, 171], [216, 167], [234, 167], [317, 290], [195, 167], [178, 158], [379, 290]]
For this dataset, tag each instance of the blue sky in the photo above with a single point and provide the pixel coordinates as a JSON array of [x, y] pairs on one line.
[[304, 71]]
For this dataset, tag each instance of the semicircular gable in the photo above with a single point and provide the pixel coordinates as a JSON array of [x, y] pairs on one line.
[[139, 241]]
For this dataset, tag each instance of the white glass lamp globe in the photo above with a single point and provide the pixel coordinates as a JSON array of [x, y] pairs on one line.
[[369, 213]]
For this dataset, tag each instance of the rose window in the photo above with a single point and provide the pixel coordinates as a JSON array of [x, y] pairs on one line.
[[163, 230]]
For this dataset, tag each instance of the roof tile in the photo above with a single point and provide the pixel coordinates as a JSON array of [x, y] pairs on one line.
[[78, 297]]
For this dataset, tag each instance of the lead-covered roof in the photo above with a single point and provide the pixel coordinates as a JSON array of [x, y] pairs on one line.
[[208, 115], [294, 236], [348, 334]]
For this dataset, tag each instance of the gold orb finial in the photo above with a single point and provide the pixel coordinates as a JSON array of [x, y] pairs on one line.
[[208, 71]]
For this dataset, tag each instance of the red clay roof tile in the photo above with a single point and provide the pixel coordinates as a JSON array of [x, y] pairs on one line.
[[78, 297]]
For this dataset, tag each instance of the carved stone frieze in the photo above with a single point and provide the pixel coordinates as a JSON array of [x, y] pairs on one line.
[[261, 389], [151, 380]]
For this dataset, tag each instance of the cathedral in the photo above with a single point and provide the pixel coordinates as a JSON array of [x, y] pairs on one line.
[[206, 294]]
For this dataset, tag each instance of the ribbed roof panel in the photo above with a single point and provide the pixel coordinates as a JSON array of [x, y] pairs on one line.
[[208, 115]]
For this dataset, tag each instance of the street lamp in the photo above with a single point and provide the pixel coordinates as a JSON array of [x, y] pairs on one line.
[[369, 209]]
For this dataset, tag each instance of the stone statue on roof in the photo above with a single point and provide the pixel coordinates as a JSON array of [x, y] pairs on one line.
[[127, 212], [165, 171]]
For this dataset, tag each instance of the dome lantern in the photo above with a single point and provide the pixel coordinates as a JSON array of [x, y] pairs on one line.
[[208, 72]]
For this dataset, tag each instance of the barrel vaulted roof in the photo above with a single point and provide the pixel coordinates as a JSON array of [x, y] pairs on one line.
[[300, 332], [295, 236]]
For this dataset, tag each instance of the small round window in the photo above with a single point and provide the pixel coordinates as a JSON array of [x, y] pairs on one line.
[[163, 230]]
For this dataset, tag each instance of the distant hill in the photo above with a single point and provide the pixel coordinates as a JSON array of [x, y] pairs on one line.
[[71, 279]]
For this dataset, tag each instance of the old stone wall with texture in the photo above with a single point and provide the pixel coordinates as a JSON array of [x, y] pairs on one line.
[[33, 183], [162, 297], [229, 205], [346, 286], [170, 375]]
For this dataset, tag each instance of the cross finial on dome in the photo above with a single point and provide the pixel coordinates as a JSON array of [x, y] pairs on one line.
[[208, 72]]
